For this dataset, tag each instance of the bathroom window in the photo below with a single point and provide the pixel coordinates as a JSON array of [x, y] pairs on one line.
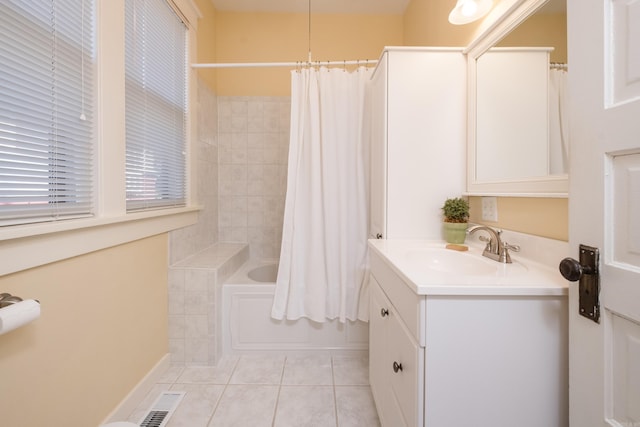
[[156, 105], [47, 58]]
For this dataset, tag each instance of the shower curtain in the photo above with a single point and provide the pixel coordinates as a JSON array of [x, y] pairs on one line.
[[323, 271], [558, 123]]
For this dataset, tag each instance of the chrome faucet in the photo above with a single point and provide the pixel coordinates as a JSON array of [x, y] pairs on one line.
[[496, 249]]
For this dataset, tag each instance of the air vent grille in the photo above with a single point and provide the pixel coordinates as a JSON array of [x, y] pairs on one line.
[[162, 409], [154, 419]]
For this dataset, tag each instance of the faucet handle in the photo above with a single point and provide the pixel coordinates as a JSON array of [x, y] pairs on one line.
[[487, 240], [514, 248], [504, 255]]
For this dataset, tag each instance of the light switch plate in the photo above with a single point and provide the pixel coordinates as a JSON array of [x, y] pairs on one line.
[[490, 209]]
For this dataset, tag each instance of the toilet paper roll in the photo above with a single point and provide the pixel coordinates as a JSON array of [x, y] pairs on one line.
[[18, 314]]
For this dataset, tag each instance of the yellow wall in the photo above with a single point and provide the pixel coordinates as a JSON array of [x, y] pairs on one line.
[[103, 326], [207, 41], [546, 217], [426, 23], [283, 37], [542, 30]]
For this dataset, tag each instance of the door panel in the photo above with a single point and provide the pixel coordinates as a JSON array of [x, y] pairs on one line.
[[623, 39], [624, 371], [625, 210], [604, 206]]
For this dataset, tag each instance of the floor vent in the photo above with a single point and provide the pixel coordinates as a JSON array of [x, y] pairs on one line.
[[162, 409]]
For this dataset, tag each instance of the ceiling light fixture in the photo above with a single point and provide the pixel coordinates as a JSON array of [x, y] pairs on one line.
[[469, 10]]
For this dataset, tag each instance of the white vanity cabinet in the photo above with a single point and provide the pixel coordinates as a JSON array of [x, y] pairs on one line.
[[418, 139], [396, 364], [482, 356]]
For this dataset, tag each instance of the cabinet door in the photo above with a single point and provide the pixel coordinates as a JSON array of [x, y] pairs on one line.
[[398, 395], [406, 372], [426, 121], [380, 364], [378, 180]]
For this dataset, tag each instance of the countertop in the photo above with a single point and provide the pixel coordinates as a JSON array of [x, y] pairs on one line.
[[485, 276]]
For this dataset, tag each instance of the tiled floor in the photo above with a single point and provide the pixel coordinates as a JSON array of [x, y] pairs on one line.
[[278, 391]]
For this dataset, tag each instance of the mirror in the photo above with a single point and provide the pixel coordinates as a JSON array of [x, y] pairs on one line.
[[517, 139]]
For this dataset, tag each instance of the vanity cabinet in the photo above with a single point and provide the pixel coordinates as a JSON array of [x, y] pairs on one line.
[[396, 364], [465, 355], [418, 139]]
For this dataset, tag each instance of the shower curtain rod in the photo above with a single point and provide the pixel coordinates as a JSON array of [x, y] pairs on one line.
[[364, 62], [558, 66]]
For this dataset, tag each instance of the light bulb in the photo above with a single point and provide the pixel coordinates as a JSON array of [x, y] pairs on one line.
[[469, 8]]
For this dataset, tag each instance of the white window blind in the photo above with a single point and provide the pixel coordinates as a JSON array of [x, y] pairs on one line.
[[46, 110], [156, 83]]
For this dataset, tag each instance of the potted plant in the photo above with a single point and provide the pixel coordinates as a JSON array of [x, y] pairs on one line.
[[456, 217]]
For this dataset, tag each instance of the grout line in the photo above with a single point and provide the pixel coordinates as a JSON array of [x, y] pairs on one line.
[[335, 399], [224, 389], [275, 409]]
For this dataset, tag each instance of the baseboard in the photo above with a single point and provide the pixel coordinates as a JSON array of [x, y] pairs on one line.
[[139, 392]]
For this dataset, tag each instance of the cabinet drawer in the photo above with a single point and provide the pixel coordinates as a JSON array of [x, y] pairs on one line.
[[409, 304], [406, 373], [396, 364]]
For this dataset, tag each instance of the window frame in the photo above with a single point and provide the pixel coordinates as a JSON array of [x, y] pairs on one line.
[[31, 245]]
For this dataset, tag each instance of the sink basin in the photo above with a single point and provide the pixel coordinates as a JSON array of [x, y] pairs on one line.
[[428, 268], [450, 261]]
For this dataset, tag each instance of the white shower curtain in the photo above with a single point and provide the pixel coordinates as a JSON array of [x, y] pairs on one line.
[[558, 123], [323, 272]]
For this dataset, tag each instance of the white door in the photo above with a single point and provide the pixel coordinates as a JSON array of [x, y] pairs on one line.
[[604, 206]]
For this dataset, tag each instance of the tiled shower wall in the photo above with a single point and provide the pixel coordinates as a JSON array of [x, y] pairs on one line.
[[189, 240], [242, 150], [253, 141]]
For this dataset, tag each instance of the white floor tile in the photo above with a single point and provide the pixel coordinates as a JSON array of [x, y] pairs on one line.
[[258, 370], [270, 391], [307, 370], [355, 407], [305, 406], [171, 375], [246, 405], [351, 370], [218, 374], [197, 405]]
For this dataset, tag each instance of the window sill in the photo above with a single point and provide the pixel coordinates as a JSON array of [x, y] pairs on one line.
[[24, 247]]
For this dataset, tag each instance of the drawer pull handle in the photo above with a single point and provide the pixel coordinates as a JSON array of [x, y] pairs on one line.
[[397, 367], [384, 312]]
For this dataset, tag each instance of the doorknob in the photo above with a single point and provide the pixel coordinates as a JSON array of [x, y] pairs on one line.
[[586, 271], [572, 270]]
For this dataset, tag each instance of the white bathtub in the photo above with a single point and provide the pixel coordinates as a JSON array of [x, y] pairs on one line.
[[247, 326]]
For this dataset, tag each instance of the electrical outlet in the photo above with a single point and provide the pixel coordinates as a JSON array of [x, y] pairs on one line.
[[490, 209]]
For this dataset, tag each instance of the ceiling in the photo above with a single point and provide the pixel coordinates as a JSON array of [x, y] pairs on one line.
[[317, 6], [340, 6]]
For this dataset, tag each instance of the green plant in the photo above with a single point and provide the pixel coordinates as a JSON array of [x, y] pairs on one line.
[[456, 210]]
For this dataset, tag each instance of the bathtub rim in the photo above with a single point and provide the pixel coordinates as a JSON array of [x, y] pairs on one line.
[[241, 276]]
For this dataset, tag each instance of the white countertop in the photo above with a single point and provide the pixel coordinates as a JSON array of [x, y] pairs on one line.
[[473, 275]]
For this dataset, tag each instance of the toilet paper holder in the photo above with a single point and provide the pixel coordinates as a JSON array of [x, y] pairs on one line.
[[7, 299]]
